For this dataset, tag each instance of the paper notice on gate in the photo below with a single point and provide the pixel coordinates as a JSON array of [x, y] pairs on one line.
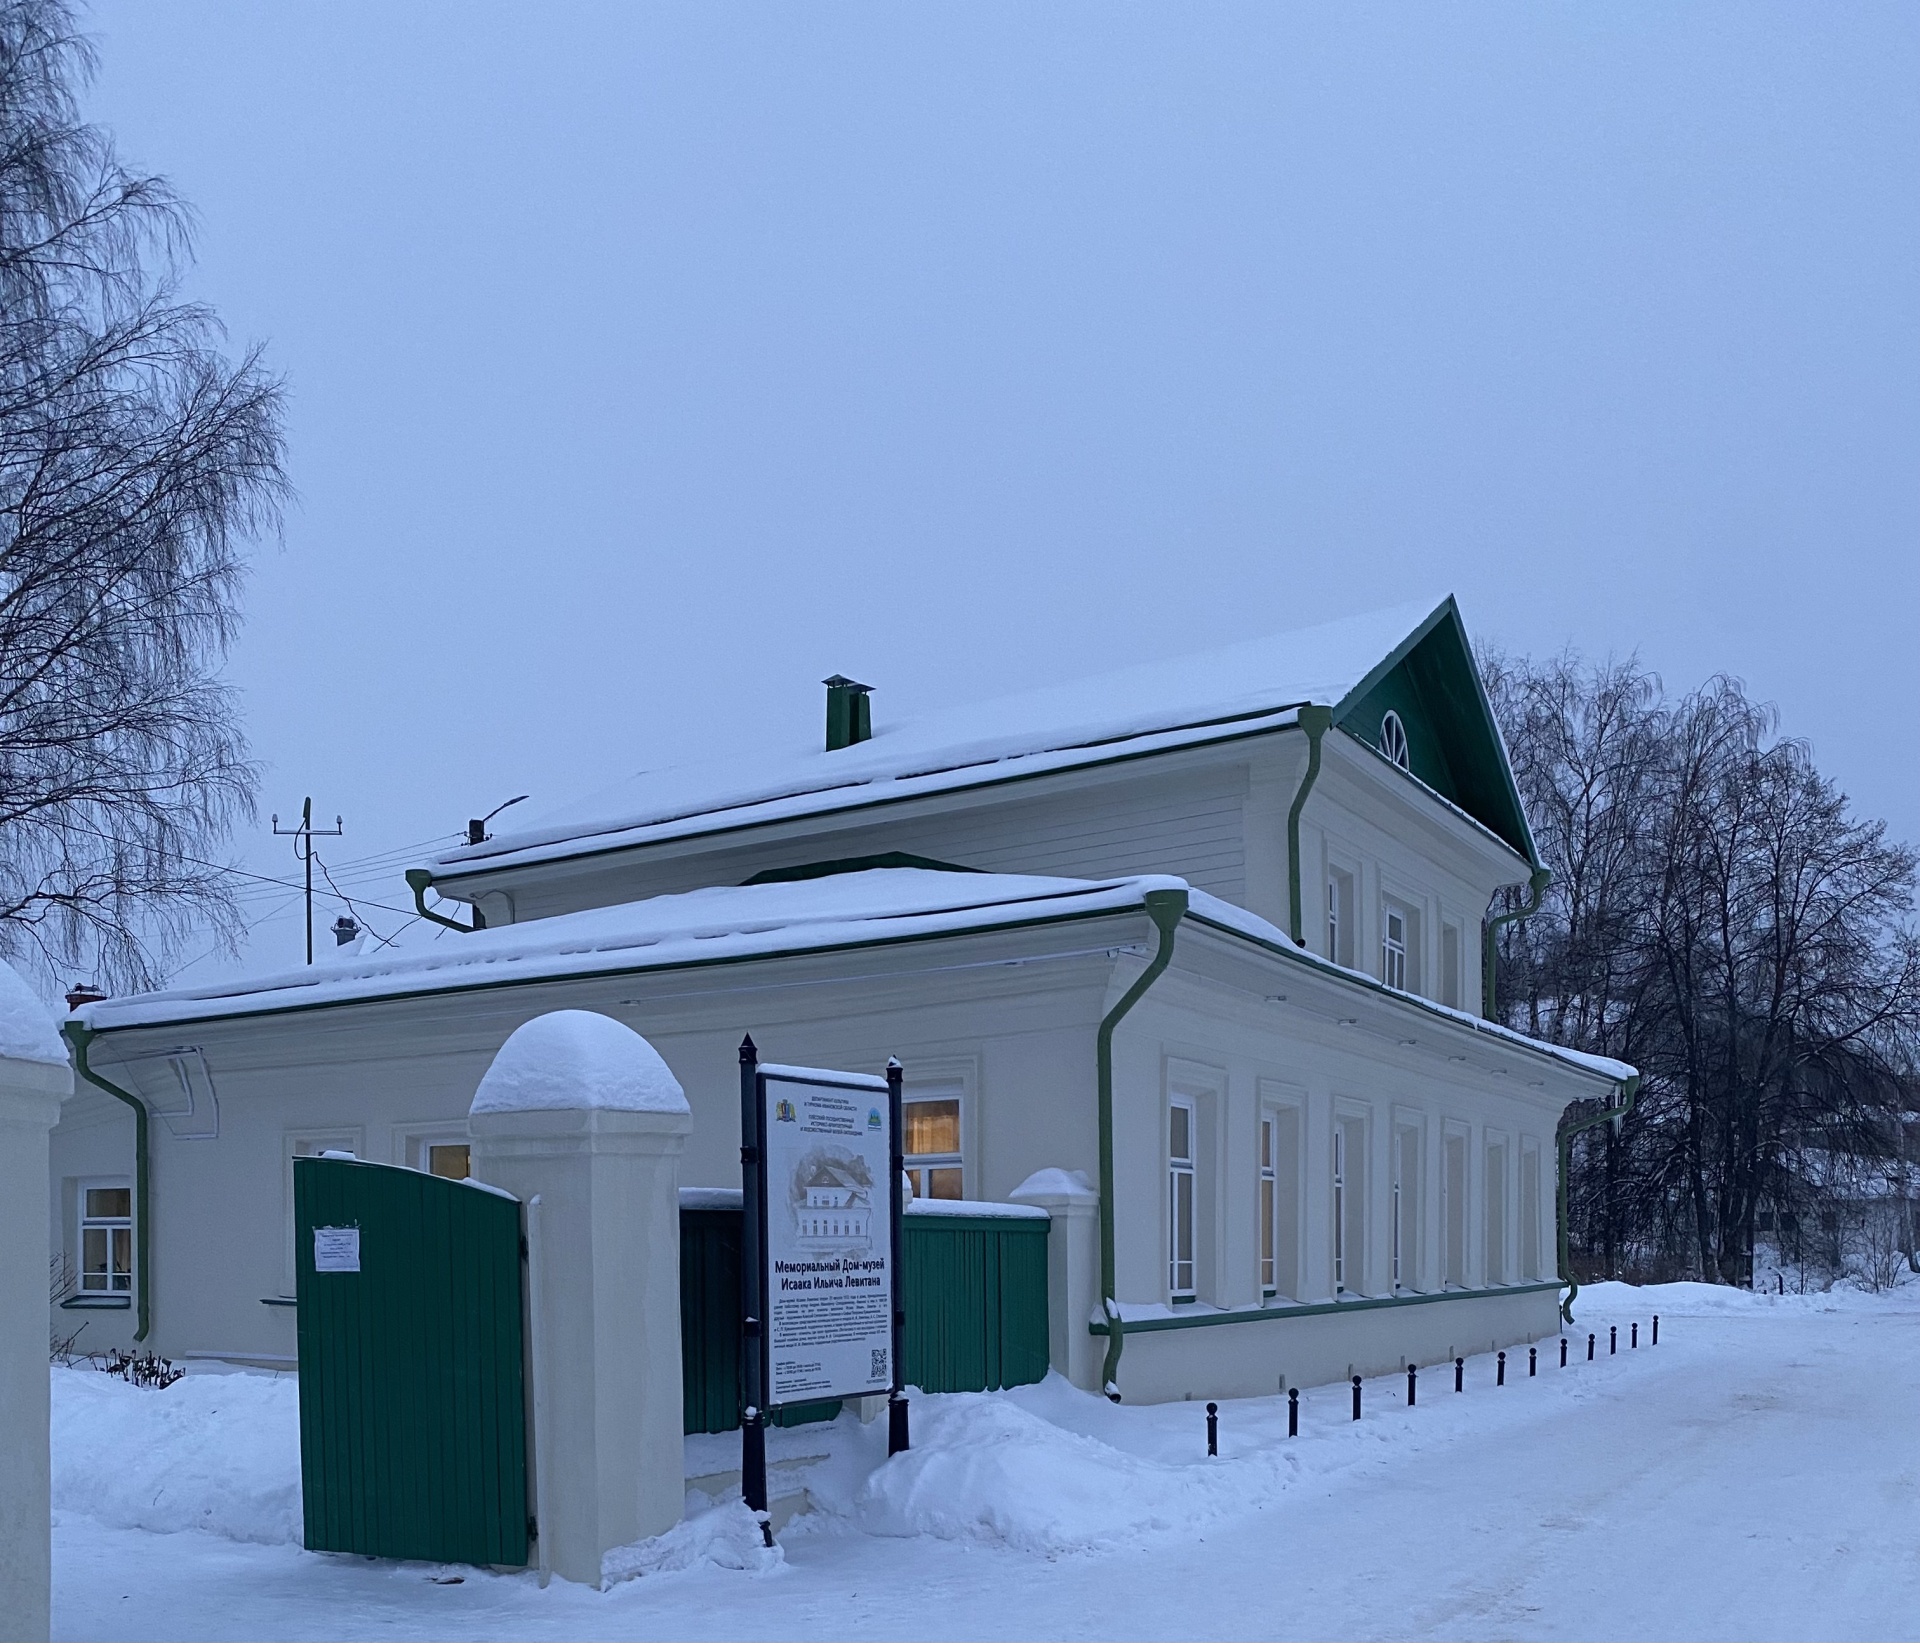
[[336, 1249]]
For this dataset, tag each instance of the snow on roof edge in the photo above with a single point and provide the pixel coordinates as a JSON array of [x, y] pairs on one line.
[[1238, 921], [442, 970]]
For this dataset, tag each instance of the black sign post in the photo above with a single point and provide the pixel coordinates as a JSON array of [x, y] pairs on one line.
[[753, 1271], [896, 1399]]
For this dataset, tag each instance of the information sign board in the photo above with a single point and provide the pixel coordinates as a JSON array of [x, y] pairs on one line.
[[827, 1209]]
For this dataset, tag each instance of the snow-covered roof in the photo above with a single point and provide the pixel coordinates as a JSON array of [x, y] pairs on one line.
[[746, 922], [663, 932], [1226, 692]]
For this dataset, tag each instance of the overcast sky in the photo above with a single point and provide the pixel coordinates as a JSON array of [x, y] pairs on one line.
[[649, 363]]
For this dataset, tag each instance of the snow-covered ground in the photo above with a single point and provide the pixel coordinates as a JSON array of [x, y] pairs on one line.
[[1756, 1474]]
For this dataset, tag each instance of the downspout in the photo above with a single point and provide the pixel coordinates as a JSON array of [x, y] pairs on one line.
[[1315, 720], [1166, 908], [418, 881], [79, 1036], [1629, 1093], [1490, 933]]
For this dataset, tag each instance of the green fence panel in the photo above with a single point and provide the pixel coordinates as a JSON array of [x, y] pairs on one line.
[[413, 1420], [710, 1378], [976, 1293]]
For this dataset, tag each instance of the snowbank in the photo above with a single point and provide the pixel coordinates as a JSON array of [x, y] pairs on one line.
[[578, 1058], [213, 1452]]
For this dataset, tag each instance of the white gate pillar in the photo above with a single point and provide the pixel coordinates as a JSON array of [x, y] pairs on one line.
[[580, 1111], [34, 1080], [1073, 1270]]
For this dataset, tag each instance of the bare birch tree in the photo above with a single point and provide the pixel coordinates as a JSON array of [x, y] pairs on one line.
[[136, 464]]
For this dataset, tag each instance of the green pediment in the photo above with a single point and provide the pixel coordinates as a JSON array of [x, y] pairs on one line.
[[1453, 745]]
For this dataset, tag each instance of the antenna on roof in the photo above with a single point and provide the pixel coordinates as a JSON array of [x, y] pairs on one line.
[[477, 827]]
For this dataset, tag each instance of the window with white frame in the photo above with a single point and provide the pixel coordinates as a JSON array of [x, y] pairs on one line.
[[932, 1145], [1348, 1206], [1181, 1282], [1453, 1210], [1496, 1228], [1342, 1232], [1393, 740], [1529, 1209], [448, 1155], [1406, 1206], [1279, 1242], [1393, 948], [106, 1238], [1269, 1205], [1340, 916]]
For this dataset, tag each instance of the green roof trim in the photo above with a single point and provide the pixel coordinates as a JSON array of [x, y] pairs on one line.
[[1454, 743]]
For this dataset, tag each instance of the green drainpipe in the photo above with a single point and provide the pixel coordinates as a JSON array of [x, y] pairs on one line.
[[79, 1036], [1629, 1093], [1490, 936], [1166, 908], [418, 881], [1315, 720]]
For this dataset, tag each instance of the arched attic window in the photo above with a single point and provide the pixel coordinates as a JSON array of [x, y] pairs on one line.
[[1393, 740]]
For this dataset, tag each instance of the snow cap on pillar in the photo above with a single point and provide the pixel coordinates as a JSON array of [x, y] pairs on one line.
[[27, 1032], [578, 1059]]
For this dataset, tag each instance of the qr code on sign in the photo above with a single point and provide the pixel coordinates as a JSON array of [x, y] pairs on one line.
[[879, 1370]]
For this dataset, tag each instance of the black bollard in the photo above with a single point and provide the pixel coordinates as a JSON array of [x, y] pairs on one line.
[[1589, 1348], [1613, 1339], [1459, 1374], [1293, 1411], [1500, 1371], [1563, 1352], [1356, 1397], [1656, 1329], [1412, 1389], [1633, 1336], [1533, 1361], [1213, 1429]]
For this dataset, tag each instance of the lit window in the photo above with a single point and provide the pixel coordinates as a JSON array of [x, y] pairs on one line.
[[451, 1159], [1180, 1280], [933, 1147], [106, 1240], [1393, 740], [1393, 949]]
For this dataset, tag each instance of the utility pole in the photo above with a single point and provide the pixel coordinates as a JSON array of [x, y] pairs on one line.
[[304, 835]]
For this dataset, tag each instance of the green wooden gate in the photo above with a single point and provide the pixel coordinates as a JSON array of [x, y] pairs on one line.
[[413, 1418]]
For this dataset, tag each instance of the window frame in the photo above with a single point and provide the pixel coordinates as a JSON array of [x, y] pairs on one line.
[[1393, 949], [109, 1224], [1339, 1207], [1183, 1168], [920, 1164], [1343, 901], [1393, 741], [1269, 1197]]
